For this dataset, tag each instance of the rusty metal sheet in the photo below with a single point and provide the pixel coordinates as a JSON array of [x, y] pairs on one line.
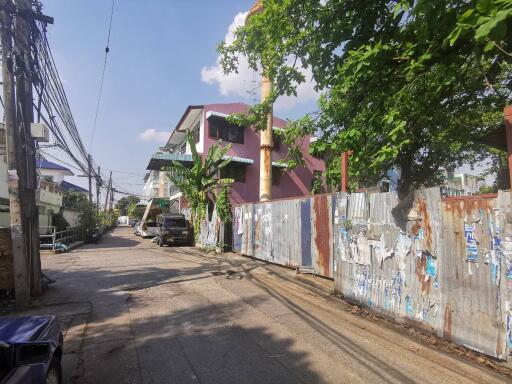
[[470, 286], [504, 223], [322, 235], [378, 265]]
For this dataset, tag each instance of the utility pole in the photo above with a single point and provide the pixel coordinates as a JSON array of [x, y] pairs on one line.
[[25, 119], [112, 191], [507, 115], [98, 185], [20, 260], [266, 137], [109, 185], [89, 175]]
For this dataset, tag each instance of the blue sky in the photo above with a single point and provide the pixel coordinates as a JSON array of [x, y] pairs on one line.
[[162, 58]]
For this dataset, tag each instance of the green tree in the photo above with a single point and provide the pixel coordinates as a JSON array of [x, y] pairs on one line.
[[223, 205], [74, 200], [408, 84], [133, 212], [123, 204], [59, 221], [88, 217], [198, 181]]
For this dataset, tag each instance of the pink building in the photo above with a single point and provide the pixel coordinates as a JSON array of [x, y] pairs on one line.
[[208, 124]]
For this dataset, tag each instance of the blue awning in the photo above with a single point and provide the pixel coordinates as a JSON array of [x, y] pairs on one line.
[[162, 159], [279, 165], [242, 160]]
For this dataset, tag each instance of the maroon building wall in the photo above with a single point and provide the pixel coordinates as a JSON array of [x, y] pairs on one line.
[[292, 183]]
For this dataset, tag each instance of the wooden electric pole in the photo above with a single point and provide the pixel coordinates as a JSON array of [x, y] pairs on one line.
[[98, 185], [109, 186], [89, 175], [507, 114], [20, 259], [111, 209], [25, 115]]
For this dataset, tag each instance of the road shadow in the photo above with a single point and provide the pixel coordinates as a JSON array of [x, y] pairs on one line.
[[109, 241]]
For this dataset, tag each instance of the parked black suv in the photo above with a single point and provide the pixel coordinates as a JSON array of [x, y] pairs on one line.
[[172, 228]]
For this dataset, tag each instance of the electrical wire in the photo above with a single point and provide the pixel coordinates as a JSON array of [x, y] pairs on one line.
[[107, 49], [54, 111]]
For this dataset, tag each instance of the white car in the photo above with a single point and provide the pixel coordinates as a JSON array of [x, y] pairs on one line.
[[148, 229]]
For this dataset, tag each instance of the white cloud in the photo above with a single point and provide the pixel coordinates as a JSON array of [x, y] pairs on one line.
[[246, 82], [154, 135]]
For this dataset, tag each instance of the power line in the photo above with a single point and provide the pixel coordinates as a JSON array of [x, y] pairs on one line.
[[107, 49], [61, 161]]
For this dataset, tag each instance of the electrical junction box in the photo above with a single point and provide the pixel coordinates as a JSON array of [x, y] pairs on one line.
[[40, 132]]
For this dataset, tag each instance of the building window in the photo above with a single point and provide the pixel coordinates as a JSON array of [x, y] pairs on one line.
[[276, 175], [234, 171], [196, 132], [276, 137], [222, 129], [183, 148]]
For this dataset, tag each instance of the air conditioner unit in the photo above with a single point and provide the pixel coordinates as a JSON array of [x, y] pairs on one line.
[[40, 132]]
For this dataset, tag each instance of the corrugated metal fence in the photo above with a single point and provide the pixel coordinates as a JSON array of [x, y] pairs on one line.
[[443, 263]]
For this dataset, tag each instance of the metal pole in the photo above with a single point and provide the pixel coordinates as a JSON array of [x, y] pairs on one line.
[[507, 114], [25, 120], [20, 262]]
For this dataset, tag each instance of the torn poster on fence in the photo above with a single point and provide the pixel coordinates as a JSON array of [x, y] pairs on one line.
[[364, 251], [431, 269], [402, 248], [344, 245], [471, 243], [381, 252], [239, 221], [506, 251]]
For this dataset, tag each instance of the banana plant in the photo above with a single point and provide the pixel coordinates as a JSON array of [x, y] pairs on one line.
[[198, 182]]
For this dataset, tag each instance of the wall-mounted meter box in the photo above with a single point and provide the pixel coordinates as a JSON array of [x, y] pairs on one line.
[[40, 132]]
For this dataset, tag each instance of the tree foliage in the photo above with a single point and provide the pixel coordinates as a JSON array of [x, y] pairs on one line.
[[408, 84], [133, 212], [223, 205], [88, 217], [59, 221], [123, 204], [198, 182]]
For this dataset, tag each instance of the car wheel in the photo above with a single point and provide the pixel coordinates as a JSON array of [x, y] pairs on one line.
[[54, 374]]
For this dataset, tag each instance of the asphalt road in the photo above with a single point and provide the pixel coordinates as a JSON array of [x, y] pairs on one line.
[[136, 313]]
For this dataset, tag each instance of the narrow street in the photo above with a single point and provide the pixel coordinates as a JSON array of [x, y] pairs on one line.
[[136, 313]]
